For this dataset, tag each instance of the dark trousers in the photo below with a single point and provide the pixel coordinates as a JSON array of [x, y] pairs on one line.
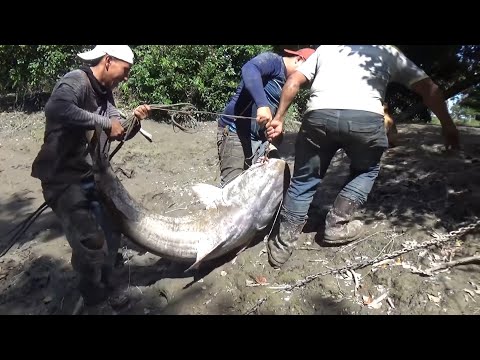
[[361, 134], [235, 153], [88, 228]]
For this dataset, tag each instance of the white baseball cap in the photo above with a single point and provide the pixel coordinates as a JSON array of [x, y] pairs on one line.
[[121, 52]]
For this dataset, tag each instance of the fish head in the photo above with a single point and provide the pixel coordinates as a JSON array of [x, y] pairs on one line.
[[259, 189]]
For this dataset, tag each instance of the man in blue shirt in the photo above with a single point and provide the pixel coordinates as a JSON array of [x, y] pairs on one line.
[[257, 97]]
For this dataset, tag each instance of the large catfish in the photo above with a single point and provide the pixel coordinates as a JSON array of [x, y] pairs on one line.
[[232, 217]]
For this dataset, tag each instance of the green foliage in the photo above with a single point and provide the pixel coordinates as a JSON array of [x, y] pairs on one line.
[[458, 122], [453, 67], [28, 69], [472, 99], [463, 113], [207, 75], [204, 75]]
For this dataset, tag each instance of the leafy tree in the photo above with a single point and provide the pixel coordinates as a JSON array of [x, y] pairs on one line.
[[205, 75]]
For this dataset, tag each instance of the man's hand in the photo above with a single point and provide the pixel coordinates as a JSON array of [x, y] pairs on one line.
[[264, 116], [142, 112], [117, 131], [274, 129], [451, 138]]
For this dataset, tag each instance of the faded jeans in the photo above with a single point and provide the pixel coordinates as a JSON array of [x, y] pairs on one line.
[[362, 136]]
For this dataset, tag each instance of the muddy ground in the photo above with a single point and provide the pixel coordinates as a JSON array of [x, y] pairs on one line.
[[422, 192]]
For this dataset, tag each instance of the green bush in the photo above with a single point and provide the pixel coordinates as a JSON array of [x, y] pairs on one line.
[[204, 75], [30, 69]]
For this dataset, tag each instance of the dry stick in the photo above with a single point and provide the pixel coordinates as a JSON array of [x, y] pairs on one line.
[[355, 243], [362, 264], [309, 248], [461, 261], [381, 251], [169, 211]]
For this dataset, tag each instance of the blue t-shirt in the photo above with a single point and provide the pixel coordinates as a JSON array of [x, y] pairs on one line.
[[262, 81]]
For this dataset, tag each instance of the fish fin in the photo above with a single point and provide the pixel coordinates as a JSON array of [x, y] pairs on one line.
[[242, 249], [208, 195], [204, 249]]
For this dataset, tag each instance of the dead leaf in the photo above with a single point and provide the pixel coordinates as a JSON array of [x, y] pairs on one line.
[[367, 300], [377, 303], [435, 299], [262, 280]]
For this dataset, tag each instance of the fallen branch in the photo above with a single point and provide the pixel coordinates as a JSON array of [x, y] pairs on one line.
[[465, 260], [169, 211], [309, 249], [257, 305], [365, 263], [353, 244], [381, 251]]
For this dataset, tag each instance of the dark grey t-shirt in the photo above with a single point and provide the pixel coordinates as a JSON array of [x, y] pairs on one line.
[[72, 109]]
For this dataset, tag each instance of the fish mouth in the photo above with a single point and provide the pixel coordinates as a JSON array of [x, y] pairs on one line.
[[273, 163], [277, 164], [272, 171]]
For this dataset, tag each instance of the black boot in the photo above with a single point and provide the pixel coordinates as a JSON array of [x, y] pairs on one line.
[[280, 247], [93, 292], [108, 271], [338, 227], [90, 284]]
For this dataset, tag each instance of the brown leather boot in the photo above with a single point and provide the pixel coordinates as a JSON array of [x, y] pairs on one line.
[[339, 229], [280, 247]]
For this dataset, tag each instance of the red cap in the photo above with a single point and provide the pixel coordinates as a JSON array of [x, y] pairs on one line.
[[304, 53]]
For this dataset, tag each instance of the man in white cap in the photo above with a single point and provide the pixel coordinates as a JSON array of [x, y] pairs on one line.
[[257, 96], [81, 100]]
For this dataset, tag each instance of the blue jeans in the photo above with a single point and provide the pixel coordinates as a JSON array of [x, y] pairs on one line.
[[360, 133]]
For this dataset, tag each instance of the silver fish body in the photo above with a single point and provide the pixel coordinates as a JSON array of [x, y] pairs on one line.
[[232, 217]]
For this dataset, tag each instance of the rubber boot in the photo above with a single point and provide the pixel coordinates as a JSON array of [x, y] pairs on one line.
[[339, 229], [92, 289], [88, 265], [280, 247]]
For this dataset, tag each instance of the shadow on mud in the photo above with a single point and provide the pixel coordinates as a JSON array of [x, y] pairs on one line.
[[417, 182], [37, 286], [47, 286], [13, 215]]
